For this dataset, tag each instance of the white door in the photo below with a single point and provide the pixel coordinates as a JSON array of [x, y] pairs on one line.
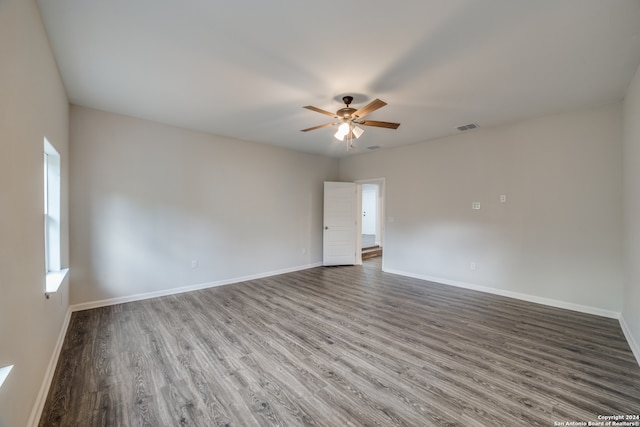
[[340, 210]]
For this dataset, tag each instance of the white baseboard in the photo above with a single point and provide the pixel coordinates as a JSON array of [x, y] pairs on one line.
[[36, 412], [635, 349], [182, 289], [517, 295]]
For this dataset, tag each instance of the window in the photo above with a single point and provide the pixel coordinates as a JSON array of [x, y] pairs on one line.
[[4, 373], [53, 264]]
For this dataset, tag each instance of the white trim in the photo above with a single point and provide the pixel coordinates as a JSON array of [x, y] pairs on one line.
[[182, 289], [51, 208], [36, 412], [510, 294], [54, 279], [358, 224], [635, 349]]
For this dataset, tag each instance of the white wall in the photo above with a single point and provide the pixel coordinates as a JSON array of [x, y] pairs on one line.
[[631, 310], [557, 238], [147, 199], [33, 105]]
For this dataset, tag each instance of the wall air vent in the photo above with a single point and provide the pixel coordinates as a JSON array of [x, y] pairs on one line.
[[465, 128], [373, 147]]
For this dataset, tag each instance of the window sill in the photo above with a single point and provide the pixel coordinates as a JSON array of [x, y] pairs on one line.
[[54, 280]]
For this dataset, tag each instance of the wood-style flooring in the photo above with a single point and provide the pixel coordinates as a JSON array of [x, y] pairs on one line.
[[340, 346]]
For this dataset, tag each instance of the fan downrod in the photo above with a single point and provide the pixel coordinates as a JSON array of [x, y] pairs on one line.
[[347, 112]]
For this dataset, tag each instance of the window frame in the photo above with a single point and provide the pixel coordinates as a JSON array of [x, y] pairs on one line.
[[55, 274]]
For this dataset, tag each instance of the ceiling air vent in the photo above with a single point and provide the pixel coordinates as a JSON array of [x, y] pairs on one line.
[[465, 128], [373, 147]]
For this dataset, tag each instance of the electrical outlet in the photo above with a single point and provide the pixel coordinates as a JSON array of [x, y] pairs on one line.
[[503, 198], [194, 263], [475, 205], [473, 266]]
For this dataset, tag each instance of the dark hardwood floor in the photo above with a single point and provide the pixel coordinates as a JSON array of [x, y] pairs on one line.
[[340, 346]]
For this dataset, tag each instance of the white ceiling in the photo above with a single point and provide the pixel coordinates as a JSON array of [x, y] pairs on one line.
[[245, 68]]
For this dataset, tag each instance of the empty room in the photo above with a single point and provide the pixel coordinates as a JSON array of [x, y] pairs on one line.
[[419, 213]]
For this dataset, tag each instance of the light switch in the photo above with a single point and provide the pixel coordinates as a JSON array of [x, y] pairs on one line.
[[475, 205]]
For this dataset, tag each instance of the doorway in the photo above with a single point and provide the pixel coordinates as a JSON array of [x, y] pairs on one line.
[[371, 220]]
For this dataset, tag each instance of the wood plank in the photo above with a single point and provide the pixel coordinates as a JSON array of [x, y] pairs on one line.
[[339, 346]]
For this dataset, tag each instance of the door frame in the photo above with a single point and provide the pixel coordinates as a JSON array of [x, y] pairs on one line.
[[382, 188]]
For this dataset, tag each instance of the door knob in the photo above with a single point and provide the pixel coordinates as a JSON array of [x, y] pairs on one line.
[[326, 228]]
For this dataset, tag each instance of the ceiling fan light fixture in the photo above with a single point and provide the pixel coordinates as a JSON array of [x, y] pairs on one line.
[[348, 131], [343, 130], [350, 117]]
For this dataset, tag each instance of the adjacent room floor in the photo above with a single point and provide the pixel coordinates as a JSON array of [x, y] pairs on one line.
[[340, 346]]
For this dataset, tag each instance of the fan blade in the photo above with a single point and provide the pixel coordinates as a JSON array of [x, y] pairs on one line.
[[321, 111], [319, 127], [369, 108], [375, 123]]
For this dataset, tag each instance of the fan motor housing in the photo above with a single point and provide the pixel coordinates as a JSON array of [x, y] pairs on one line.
[[346, 112]]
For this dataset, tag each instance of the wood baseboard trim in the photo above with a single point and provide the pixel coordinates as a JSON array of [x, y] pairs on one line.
[[36, 412], [635, 349], [190, 288], [510, 294]]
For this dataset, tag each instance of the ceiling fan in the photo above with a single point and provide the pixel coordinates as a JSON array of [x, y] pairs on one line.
[[350, 117]]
